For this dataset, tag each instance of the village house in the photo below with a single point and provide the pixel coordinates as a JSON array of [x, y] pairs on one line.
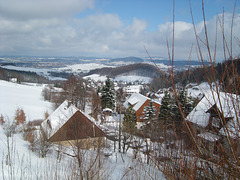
[[214, 121], [67, 125], [139, 102]]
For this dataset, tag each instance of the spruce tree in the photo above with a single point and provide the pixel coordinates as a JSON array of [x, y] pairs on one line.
[[150, 117], [150, 112], [164, 115], [108, 95], [182, 107]]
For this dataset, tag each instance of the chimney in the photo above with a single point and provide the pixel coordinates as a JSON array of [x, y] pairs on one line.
[[69, 104]]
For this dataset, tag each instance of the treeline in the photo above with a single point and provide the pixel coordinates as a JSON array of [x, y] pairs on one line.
[[26, 76], [132, 69], [227, 73]]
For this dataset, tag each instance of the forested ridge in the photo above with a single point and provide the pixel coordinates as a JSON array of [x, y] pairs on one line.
[[22, 76], [222, 71], [132, 69]]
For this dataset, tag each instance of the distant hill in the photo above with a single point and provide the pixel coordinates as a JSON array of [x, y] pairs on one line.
[[139, 69], [177, 63], [128, 59]]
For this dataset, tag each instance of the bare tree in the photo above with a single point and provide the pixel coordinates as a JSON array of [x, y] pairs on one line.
[[178, 161], [95, 104], [76, 91]]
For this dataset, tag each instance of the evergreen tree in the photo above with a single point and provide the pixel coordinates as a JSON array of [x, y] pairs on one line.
[[150, 117], [182, 107], [150, 112], [164, 115], [108, 95]]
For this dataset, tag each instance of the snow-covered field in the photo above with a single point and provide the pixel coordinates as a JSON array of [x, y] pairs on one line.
[[96, 77], [133, 78], [28, 97], [77, 68], [40, 71]]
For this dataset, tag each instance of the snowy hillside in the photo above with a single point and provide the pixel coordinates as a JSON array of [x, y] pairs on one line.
[[133, 79], [18, 161], [82, 68], [28, 97]]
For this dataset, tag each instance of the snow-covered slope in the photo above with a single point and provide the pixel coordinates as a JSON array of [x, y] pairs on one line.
[[133, 79], [28, 97], [78, 68], [26, 164]]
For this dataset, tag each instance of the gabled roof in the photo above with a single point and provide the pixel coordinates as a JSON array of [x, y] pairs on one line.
[[137, 100], [60, 117], [209, 136], [232, 128], [226, 103]]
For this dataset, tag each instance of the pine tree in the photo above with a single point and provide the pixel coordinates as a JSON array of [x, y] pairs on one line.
[[164, 115], [182, 107], [150, 117], [108, 95], [150, 112]]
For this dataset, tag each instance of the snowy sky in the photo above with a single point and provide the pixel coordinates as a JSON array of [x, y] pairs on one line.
[[111, 28]]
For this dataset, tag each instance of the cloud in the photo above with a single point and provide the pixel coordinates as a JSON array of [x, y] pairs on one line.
[[137, 27], [185, 37], [35, 9], [58, 32]]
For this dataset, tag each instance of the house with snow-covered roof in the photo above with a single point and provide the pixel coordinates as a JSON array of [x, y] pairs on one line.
[[67, 125], [215, 119], [138, 102]]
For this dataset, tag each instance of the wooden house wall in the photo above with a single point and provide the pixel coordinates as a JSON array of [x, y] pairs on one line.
[[77, 127], [139, 112], [197, 129], [227, 148], [84, 143]]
